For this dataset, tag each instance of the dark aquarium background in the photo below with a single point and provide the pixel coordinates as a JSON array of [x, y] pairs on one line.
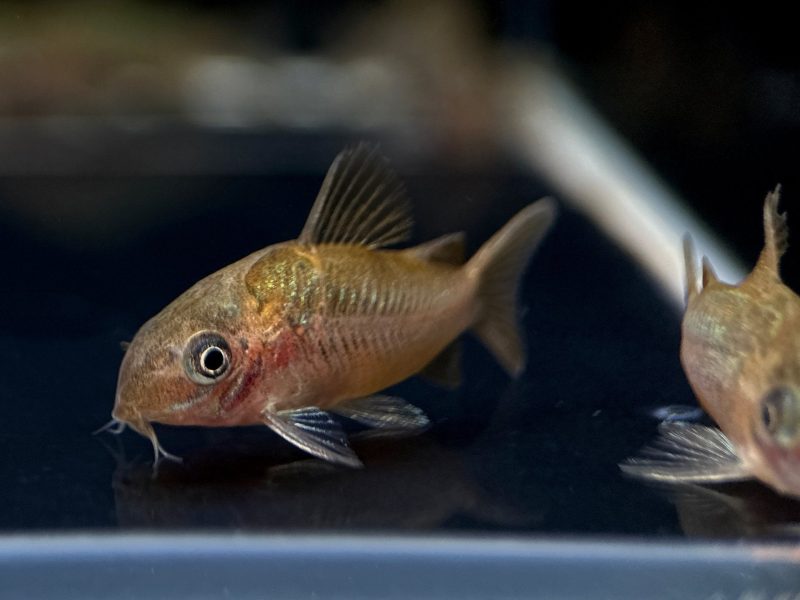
[[144, 145]]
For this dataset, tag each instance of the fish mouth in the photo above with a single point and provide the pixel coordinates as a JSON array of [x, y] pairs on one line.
[[117, 424], [119, 413]]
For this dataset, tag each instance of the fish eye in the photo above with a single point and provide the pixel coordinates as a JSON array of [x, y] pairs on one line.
[[207, 357], [780, 415]]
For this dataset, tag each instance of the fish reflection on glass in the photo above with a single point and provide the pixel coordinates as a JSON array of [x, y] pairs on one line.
[[735, 510], [320, 324], [406, 486], [740, 350]]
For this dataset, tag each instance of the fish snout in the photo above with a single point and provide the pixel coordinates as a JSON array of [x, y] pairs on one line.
[[122, 398], [148, 376], [121, 411], [127, 407]]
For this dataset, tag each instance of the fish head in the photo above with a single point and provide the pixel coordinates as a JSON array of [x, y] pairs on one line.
[[189, 363], [776, 436], [771, 423]]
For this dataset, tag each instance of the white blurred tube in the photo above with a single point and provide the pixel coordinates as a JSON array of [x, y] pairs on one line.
[[595, 171]]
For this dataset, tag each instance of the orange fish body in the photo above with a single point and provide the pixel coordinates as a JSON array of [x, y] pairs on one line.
[[361, 320], [320, 324], [740, 350]]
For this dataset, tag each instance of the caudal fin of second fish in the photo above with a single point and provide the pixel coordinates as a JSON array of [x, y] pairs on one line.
[[498, 267]]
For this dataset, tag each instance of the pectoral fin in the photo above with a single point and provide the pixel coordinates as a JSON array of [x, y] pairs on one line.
[[315, 432], [688, 453], [384, 412]]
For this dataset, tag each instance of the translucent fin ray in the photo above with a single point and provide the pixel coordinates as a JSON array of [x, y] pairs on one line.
[[362, 202], [688, 453], [498, 266], [384, 412], [315, 432]]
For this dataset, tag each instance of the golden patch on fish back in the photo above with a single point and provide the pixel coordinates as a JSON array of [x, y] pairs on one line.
[[287, 280], [363, 315]]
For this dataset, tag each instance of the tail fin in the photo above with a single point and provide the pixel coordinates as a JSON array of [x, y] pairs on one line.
[[498, 266]]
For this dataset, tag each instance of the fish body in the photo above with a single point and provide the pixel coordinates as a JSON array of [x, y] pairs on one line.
[[320, 324], [360, 320], [740, 350]]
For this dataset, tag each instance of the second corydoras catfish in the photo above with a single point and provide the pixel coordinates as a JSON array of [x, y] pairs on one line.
[[740, 350], [320, 324]]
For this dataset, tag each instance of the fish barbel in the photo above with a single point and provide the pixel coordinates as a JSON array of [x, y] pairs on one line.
[[320, 324], [740, 350]]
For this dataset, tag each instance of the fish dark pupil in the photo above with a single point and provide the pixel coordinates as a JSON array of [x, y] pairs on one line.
[[213, 359], [768, 417], [207, 357]]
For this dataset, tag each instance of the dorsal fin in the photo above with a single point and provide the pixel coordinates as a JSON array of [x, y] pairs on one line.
[[690, 265], [362, 202], [448, 249], [776, 233], [709, 276], [695, 282]]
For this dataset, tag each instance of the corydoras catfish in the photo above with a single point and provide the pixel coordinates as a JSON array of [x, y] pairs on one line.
[[740, 350], [318, 325]]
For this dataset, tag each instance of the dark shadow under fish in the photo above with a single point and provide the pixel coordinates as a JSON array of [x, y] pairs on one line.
[[735, 510], [415, 486]]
